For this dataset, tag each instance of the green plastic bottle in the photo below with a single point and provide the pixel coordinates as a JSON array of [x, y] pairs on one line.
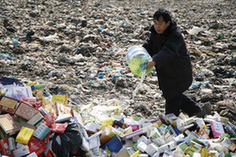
[[38, 86]]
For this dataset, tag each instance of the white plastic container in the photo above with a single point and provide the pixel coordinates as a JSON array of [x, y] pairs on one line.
[[135, 57]]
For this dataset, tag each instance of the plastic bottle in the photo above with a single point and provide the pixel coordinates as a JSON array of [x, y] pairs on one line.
[[136, 57], [38, 86]]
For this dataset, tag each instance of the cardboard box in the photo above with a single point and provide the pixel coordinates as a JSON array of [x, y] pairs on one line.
[[24, 135], [22, 151], [151, 149], [19, 92], [37, 146], [32, 155], [217, 129], [36, 119], [8, 104], [114, 145], [202, 134], [136, 154], [61, 99], [104, 138], [59, 127], [123, 152], [8, 125], [26, 111], [142, 146], [42, 131], [50, 119], [34, 102], [130, 150], [135, 133], [5, 148]]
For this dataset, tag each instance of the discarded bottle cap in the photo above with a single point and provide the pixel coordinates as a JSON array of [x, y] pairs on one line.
[[143, 67]]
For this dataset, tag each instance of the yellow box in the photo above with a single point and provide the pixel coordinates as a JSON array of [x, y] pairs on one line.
[[136, 154], [62, 99], [24, 135], [205, 152]]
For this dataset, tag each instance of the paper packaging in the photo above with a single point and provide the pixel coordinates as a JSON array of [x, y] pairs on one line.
[[26, 111], [8, 125], [159, 141], [5, 148], [63, 118], [11, 141], [34, 102], [143, 155], [59, 127], [228, 144], [130, 150], [18, 92], [205, 152], [36, 145], [104, 138], [49, 118], [151, 149], [157, 154], [142, 146], [42, 131], [22, 151], [94, 142], [123, 152], [135, 133], [202, 134], [24, 135], [36, 119], [162, 148], [8, 104], [114, 145], [32, 155], [136, 154], [62, 99], [195, 154], [217, 129]]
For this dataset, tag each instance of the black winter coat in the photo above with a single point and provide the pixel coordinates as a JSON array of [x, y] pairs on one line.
[[173, 66]]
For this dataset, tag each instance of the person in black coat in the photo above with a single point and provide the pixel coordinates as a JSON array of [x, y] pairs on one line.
[[172, 62]]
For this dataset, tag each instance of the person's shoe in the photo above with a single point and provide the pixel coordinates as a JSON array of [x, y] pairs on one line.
[[206, 109]]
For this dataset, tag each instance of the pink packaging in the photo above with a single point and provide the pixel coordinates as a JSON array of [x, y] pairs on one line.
[[217, 129], [134, 127]]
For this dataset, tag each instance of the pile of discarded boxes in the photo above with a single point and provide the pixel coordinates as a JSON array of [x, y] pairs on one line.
[[35, 123]]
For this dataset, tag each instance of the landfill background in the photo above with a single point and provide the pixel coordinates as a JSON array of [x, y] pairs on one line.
[[78, 48]]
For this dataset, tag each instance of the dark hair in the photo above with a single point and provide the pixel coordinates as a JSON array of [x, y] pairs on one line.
[[165, 14]]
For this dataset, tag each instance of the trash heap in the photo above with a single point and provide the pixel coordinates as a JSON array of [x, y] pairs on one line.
[[78, 47], [35, 123]]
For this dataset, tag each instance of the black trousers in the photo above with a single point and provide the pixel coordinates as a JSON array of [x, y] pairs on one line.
[[182, 103]]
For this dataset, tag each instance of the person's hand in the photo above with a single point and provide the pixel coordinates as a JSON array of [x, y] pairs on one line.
[[150, 64]]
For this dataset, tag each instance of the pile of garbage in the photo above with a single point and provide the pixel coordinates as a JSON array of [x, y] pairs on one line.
[[35, 123], [78, 48]]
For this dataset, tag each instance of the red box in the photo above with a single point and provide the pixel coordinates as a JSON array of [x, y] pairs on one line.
[[59, 127], [5, 148], [37, 146], [34, 102], [50, 119]]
